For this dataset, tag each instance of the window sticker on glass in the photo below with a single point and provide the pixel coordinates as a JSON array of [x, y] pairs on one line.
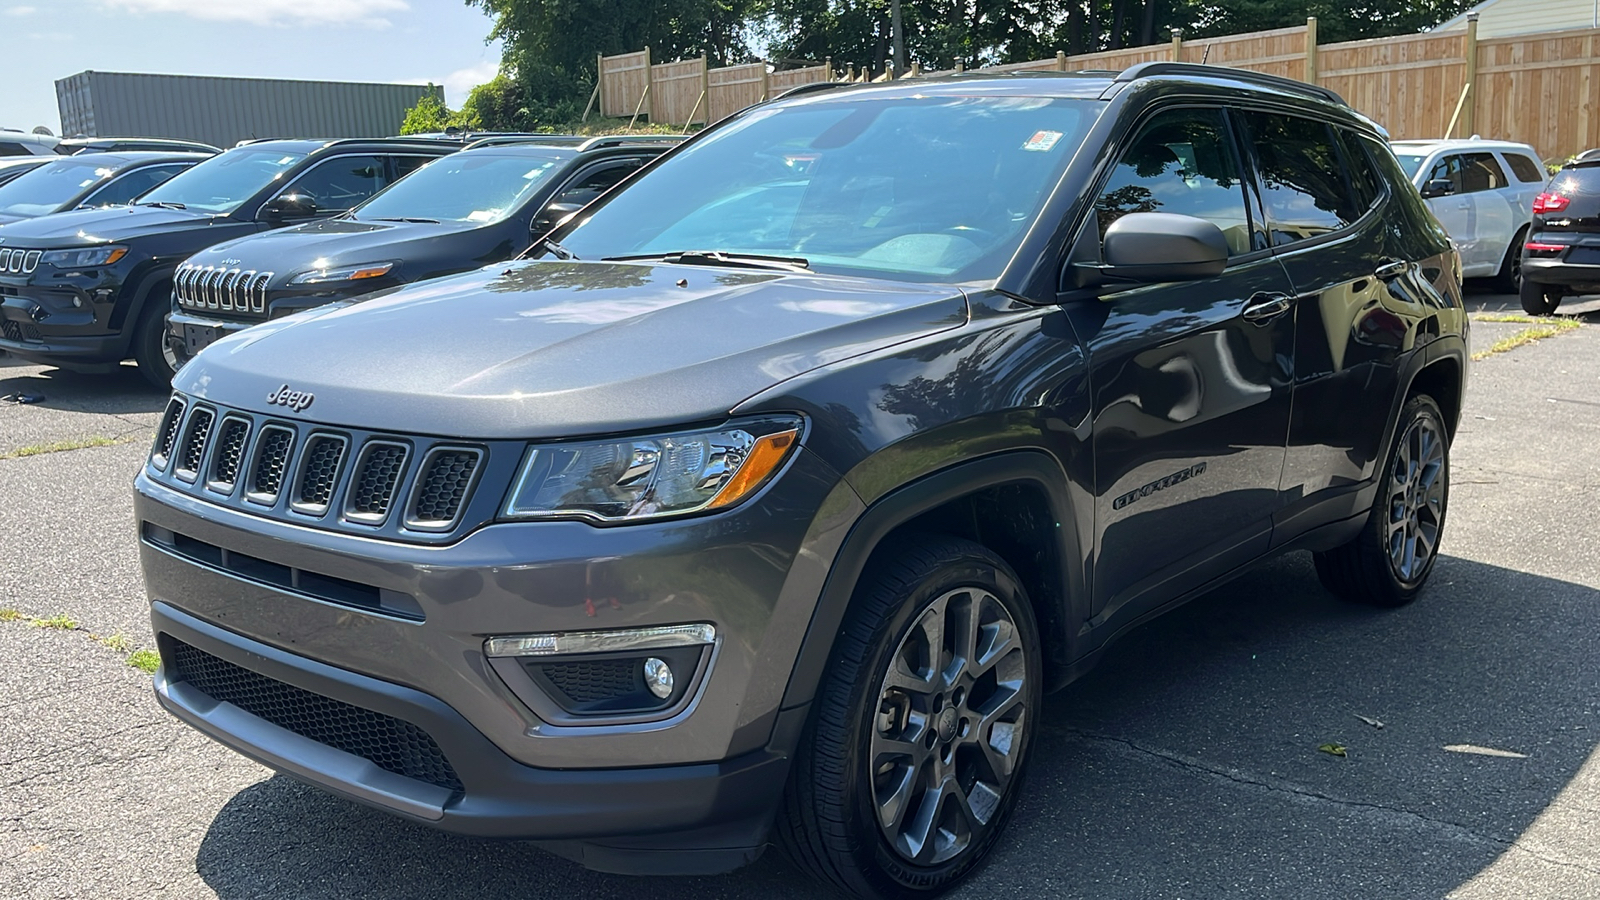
[[483, 215], [1042, 141], [286, 160]]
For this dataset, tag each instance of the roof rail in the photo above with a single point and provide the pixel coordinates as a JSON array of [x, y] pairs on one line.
[[1197, 70], [812, 88], [620, 140]]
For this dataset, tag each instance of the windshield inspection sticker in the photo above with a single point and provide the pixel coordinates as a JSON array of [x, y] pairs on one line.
[[1042, 140]]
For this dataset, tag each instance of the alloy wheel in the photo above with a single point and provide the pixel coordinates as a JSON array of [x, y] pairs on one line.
[[1416, 499], [948, 733]]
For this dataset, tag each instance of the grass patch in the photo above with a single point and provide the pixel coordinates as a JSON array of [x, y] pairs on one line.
[[117, 642], [10, 615], [71, 444], [1538, 330], [146, 661], [62, 622]]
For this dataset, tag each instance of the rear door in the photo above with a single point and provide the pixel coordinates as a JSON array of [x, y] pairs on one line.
[[1191, 380], [1495, 218], [1454, 210]]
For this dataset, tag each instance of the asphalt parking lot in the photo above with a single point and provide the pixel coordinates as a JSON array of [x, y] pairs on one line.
[[1186, 766]]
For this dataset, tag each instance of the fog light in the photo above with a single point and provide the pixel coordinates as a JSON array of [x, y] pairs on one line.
[[658, 677]]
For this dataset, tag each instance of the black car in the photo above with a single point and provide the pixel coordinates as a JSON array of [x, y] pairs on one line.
[[772, 499], [79, 146], [85, 182], [12, 167], [473, 208], [1562, 254], [87, 289]]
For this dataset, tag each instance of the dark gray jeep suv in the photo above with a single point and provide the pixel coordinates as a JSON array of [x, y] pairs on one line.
[[769, 499]]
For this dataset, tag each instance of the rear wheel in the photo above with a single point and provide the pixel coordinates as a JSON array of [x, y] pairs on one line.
[[1509, 279], [922, 727], [158, 362], [1390, 560], [1538, 299]]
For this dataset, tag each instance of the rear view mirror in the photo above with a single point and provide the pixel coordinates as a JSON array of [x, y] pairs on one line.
[[1155, 247], [1438, 187]]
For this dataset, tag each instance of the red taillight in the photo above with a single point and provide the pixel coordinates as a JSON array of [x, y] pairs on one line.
[[1549, 203], [1535, 247]]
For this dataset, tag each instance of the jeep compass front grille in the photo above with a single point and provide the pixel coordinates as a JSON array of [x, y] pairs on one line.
[[404, 488], [391, 744]]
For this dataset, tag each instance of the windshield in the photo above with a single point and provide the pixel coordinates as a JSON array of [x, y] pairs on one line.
[[1410, 162], [464, 187], [45, 189], [920, 188], [221, 183]]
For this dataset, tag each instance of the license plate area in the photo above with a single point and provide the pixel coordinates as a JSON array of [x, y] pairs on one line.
[[199, 337]]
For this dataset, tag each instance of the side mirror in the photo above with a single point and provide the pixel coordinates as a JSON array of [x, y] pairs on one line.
[[290, 208], [551, 216], [1438, 187], [1150, 248]]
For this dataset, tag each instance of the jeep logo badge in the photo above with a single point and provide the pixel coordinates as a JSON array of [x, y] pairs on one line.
[[295, 400]]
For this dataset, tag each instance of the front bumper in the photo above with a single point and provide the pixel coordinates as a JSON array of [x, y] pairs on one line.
[[50, 329], [691, 818]]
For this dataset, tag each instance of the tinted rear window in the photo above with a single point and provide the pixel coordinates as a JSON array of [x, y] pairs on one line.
[[1524, 168], [1304, 192]]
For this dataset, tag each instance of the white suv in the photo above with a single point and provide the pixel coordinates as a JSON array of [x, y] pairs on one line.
[[1482, 193], [19, 143]]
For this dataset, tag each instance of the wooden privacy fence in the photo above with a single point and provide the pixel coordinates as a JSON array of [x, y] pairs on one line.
[[1535, 88]]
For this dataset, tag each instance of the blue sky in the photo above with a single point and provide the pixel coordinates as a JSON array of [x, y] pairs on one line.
[[441, 41]]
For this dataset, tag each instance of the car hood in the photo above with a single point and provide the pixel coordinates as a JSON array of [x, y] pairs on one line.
[[338, 242], [82, 227], [553, 349]]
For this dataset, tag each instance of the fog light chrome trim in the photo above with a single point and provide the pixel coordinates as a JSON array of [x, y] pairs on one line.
[[569, 642]]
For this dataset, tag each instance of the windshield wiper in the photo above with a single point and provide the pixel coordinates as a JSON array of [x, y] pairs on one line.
[[415, 220], [165, 204], [556, 250], [722, 258]]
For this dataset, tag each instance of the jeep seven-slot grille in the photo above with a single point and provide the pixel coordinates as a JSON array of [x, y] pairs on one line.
[[344, 480], [391, 744], [221, 289]]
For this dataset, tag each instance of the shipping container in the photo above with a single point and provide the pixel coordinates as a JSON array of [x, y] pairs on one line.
[[224, 111]]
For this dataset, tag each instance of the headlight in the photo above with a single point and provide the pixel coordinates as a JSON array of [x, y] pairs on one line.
[[87, 258], [651, 477], [348, 273]]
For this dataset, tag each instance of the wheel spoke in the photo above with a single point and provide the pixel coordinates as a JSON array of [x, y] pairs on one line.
[[905, 784]]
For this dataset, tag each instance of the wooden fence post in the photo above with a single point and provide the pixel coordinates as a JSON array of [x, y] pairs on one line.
[[600, 82], [705, 87], [960, 67], [764, 85], [649, 84], [1468, 120], [827, 68], [1311, 49], [1177, 44], [1061, 60]]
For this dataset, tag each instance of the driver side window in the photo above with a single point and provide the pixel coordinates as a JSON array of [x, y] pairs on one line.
[[340, 183], [1183, 162]]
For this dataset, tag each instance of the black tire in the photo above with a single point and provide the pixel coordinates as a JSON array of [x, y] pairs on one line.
[[829, 823], [1537, 299], [1380, 567], [157, 361], [1509, 279]]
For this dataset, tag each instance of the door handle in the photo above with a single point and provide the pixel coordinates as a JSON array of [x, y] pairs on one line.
[[1263, 306], [1394, 268]]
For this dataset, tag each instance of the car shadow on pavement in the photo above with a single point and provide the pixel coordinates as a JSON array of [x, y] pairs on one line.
[[121, 392], [1186, 765]]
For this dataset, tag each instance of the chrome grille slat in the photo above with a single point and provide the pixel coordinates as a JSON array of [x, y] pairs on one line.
[[233, 437], [192, 446], [373, 482], [321, 465], [18, 260], [270, 464]]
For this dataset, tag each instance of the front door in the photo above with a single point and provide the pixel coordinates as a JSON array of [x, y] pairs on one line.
[[1190, 381]]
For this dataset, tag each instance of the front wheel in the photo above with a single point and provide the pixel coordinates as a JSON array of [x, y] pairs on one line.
[[1389, 561], [921, 728], [157, 360], [1538, 300]]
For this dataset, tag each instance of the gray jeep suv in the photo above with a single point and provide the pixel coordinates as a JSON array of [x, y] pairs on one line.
[[769, 497]]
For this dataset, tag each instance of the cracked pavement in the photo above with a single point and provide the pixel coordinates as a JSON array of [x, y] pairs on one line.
[[1184, 767]]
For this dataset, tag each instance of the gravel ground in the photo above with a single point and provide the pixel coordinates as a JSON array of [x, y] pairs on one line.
[[1185, 766]]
